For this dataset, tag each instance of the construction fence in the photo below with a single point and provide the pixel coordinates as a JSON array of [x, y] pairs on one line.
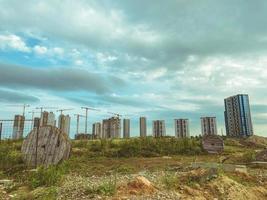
[[15, 129]]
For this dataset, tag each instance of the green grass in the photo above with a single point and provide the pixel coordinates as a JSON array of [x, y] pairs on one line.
[[50, 176], [107, 188], [170, 180]]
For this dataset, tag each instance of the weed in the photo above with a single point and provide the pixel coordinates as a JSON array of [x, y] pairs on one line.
[[170, 180], [48, 176]]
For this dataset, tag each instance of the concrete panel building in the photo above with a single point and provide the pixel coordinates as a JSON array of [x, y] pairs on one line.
[[208, 126], [181, 127], [97, 130], [64, 123], [143, 128], [82, 136], [36, 122], [48, 119], [126, 128], [18, 127], [159, 128], [237, 115], [111, 128]]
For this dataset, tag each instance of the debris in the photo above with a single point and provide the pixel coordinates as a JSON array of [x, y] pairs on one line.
[[53, 146], [213, 143], [262, 156]]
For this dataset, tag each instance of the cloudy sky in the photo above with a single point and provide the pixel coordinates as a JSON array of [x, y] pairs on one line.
[[160, 59]]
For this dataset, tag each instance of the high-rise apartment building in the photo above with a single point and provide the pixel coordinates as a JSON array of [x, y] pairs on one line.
[[36, 122], [208, 126], [97, 130], [126, 128], [18, 127], [64, 123], [47, 119], [237, 115], [159, 128], [181, 128], [111, 128], [142, 122]]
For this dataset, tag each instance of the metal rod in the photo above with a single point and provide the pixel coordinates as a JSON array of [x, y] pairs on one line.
[[78, 120], [1, 125]]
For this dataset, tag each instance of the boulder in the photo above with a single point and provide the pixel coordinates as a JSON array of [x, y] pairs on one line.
[[45, 146]]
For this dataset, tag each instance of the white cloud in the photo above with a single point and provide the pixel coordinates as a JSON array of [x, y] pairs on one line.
[[58, 51], [14, 42], [40, 50]]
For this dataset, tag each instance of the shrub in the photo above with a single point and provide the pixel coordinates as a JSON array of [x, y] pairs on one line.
[[249, 156], [170, 180], [10, 156], [48, 176]]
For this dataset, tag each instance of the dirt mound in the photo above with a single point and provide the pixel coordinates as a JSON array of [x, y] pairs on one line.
[[139, 186], [262, 156], [255, 141], [229, 189], [199, 175]]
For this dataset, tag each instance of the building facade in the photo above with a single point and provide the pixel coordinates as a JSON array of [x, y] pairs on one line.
[[48, 119], [36, 122], [97, 130], [208, 126], [82, 136], [126, 128], [159, 128], [111, 128], [142, 123], [64, 123], [181, 127], [237, 115], [18, 127]]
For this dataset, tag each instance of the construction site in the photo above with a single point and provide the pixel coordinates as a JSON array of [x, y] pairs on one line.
[[39, 160]]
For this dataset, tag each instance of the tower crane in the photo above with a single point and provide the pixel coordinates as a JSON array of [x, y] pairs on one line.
[[43, 107], [24, 106], [115, 114], [33, 112], [61, 110], [86, 115], [78, 121]]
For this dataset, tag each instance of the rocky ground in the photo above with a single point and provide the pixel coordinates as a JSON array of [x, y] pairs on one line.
[[187, 183], [205, 176]]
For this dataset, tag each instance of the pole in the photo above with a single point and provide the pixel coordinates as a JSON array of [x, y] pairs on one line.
[[1, 124], [78, 119], [37, 136], [86, 116], [32, 119]]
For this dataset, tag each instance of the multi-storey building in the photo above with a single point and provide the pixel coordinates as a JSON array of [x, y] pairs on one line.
[[181, 128], [126, 128], [64, 123], [142, 122], [48, 119], [36, 122], [159, 128], [111, 128], [208, 126], [237, 115], [97, 130], [18, 126]]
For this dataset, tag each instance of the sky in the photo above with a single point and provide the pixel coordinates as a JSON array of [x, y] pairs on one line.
[[154, 58]]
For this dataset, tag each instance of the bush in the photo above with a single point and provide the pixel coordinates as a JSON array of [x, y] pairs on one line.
[[10, 156], [144, 147], [170, 180], [48, 176], [249, 156]]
